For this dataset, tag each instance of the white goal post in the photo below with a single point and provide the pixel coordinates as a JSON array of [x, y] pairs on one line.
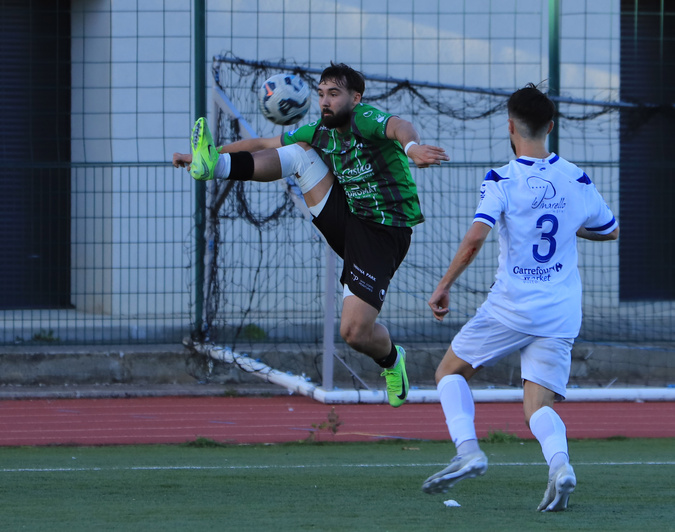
[[299, 384]]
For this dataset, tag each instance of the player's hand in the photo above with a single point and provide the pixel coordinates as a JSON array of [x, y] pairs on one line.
[[181, 160], [438, 302], [425, 155]]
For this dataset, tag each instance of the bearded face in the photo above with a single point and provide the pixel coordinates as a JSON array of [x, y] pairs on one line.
[[338, 118], [337, 103]]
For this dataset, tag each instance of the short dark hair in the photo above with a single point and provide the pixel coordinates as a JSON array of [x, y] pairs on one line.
[[531, 106], [344, 76]]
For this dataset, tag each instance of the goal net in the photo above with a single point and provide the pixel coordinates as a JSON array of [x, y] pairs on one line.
[[272, 297]]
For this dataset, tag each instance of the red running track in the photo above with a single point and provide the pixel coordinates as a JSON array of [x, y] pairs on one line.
[[292, 418]]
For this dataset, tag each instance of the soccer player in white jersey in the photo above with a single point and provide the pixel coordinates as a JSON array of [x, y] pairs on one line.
[[541, 203]]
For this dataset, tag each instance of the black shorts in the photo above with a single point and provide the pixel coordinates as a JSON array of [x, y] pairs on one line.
[[371, 252]]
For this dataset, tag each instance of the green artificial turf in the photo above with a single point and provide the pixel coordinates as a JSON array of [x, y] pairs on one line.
[[621, 485]]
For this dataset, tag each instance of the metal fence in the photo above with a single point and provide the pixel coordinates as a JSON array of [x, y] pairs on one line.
[[125, 276], [99, 229]]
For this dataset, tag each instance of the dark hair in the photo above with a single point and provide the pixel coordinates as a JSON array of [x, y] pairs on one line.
[[531, 106], [344, 76]]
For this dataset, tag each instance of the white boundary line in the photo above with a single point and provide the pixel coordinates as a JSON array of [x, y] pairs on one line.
[[303, 466]]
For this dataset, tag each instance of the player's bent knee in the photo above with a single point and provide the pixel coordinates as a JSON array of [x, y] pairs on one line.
[[293, 159], [352, 335], [346, 333], [297, 159], [305, 163]]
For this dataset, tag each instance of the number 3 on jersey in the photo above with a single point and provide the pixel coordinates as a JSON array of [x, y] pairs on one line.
[[546, 235]]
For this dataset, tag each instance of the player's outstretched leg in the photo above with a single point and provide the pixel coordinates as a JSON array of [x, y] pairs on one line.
[[204, 151], [397, 380], [461, 467], [560, 486]]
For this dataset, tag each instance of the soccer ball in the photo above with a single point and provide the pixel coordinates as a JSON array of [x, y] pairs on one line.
[[284, 99]]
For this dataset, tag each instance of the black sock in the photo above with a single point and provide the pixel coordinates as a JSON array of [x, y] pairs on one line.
[[390, 359], [242, 166]]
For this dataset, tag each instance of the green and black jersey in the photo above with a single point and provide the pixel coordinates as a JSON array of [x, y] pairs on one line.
[[372, 169]]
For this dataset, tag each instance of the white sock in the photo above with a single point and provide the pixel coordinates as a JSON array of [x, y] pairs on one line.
[[459, 409], [468, 447], [557, 461], [223, 166], [551, 434]]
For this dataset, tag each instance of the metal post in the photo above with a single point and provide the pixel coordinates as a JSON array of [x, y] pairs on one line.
[[200, 186], [554, 64], [329, 320]]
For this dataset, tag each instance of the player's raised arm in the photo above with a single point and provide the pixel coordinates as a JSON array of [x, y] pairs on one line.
[[423, 155]]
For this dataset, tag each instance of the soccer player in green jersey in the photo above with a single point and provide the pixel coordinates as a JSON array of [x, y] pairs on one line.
[[352, 167]]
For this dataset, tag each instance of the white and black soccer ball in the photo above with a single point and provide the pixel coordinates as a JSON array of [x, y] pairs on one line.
[[284, 99]]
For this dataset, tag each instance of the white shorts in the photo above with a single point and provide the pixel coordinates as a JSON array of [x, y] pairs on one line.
[[484, 340]]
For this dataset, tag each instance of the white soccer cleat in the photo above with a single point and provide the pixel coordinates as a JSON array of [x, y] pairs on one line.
[[461, 467], [560, 487]]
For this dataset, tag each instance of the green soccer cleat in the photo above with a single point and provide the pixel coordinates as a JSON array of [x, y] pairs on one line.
[[397, 380], [204, 151]]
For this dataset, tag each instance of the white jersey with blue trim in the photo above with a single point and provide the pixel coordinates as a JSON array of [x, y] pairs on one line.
[[540, 204]]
